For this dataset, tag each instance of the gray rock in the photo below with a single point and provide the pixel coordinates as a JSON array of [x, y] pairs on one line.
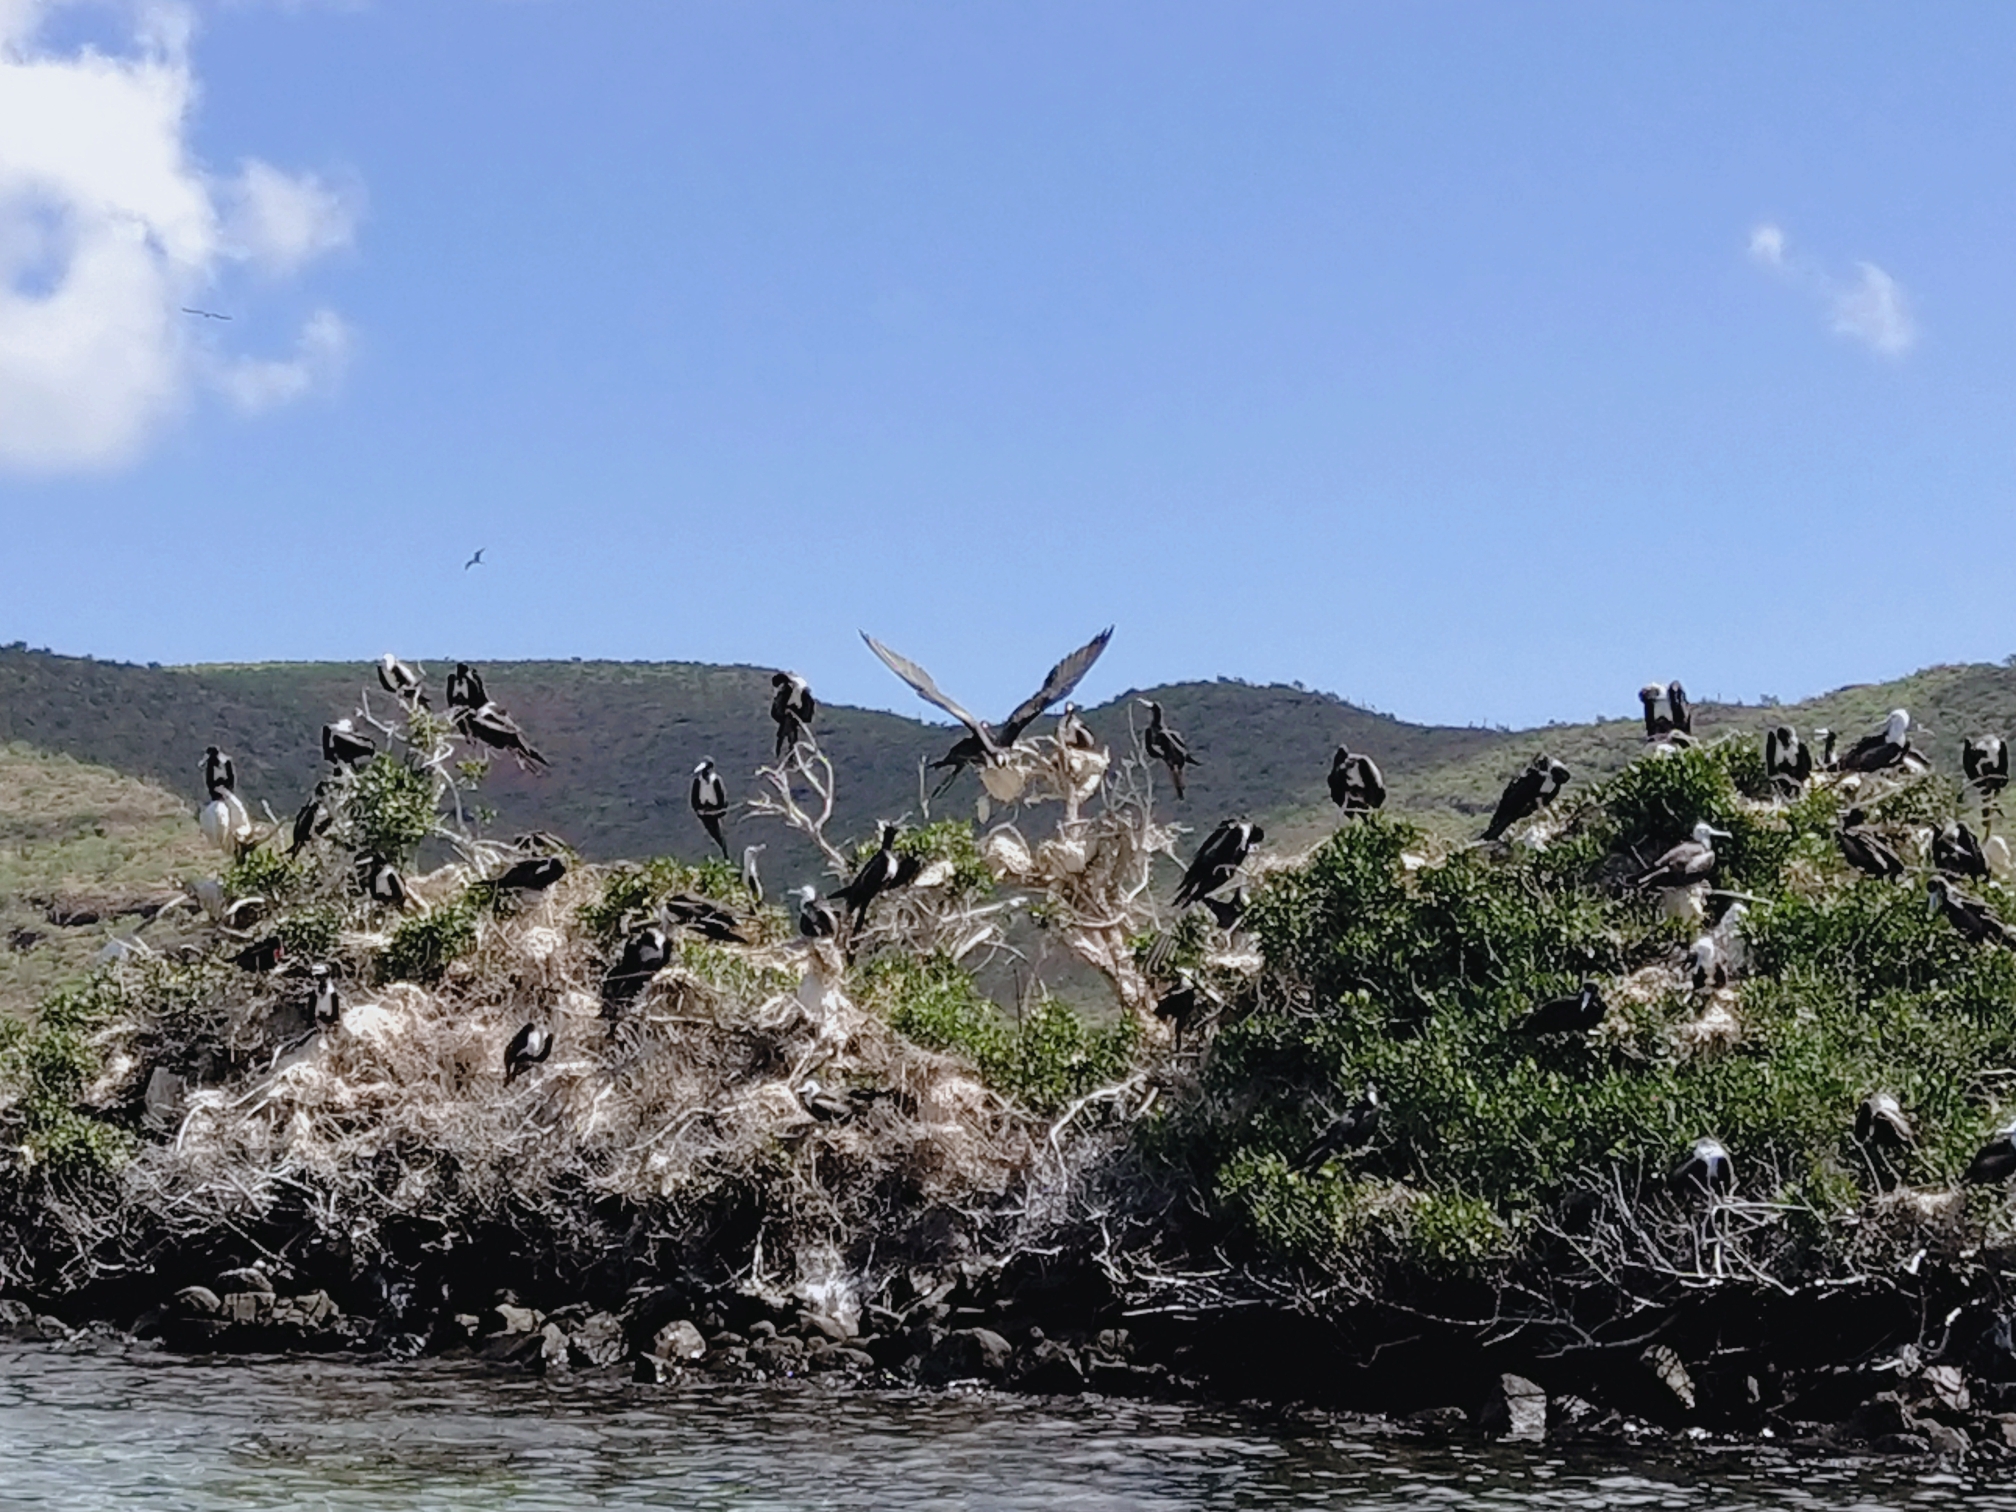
[[200, 1301], [968, 1354], [653, 1371], [247, 1278], [1947, 1442], [248, 1306], [781, 1356], [1947, 1386], [831, 1329], [1049, 1369], [596, 1342], [678, 1340], [1515, 1410], [1883, 1416], [846, 1357]]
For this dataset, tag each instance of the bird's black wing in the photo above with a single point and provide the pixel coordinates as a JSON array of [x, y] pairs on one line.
[[1516, 802], [921, 683], [1683, 712], [1063, 679]]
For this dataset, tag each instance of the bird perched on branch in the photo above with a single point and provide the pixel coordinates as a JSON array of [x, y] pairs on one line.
[[708, 796], [1226, 912], [752, 880], [343, 744], [1183, 1005], [1787, 761], [1356, 784], [379, 880], [1957, 851], [1073, 733], [1827, 738], [1880, 1122], [402, 681], [792, 707], [1162, 743], [533, 874], [1887, 747], [703, 917], [220, 776], [1223, 852], [1707, 1168], [495, 728], [313, 819], [1350, 1130], [465, 688], [1528, 793], [263, 955], [328, 1002], [1984, 760], [645, 954], [984, 742], [836, 1105], [1995, 1161], [816, 918], [528, 1047], [1667, 711], [877, 875], [1864, 850], [1688, 862], [1973, 918], [1567, 1015]]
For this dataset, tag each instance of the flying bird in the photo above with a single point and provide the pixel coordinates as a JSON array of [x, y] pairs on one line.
[[402, 681], [1351, 1130], [1223, 852], [465, 688], [984, 742], [1666, 711], [1163, 744], [1864, 850], [708, 796], [206, 314], [1356, 784], [476, 560], [495, 728], [1787, 761], [878, 874], [344, 745], [1566, 1015], [1527, 793], [792, 707], [528, 1047], [1887, 747], [1688, 862]]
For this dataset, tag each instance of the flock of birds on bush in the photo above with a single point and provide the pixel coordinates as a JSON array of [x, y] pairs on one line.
[[1356, 786]]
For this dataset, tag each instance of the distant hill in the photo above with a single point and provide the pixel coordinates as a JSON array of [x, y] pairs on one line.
[[623, 738]]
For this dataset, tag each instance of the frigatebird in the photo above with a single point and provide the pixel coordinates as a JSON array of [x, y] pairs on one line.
[[708, 796], [344, 745], [495, 728], [1163, 744], [879, 873], [220, 774], [792, 707], [1984, 759], [984, 742], [1787, 760], [645, 954], [465, 688], [1350, 1130], [1995, 1161], [1707, 1167], [1356, 783], [1525, 794], [402, 680], [1566, 1015], [1223, 852], [816, 918], [1864, 849], [1975, 920], [528, 1047], [1666, 710], [1957, 851], [1887, 747], [1688, 862]]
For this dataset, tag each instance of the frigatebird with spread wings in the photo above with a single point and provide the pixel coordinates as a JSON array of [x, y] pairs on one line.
[[984, 742]]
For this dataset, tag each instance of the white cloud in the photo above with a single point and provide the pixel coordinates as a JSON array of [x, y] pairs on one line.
[[1767, 245], [1872, 307], [108, 228]]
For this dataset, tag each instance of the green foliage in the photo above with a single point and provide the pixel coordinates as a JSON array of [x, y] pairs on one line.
[[1414, 980], [423, 947], [263, 872], [44, 1070], [951, 841], [1043, 1058], [388, 808], [634, 889], [310, 934]]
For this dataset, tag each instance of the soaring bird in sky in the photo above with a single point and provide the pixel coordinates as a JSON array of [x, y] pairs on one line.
[[476, 560], [984, 742]]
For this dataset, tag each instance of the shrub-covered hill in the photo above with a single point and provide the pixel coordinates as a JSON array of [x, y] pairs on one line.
[[85, 855]]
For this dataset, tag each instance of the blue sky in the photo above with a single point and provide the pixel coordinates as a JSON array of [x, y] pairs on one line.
[[1475, 362]]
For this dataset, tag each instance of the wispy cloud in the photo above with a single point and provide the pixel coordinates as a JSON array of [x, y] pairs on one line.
[[108, 227], [1872, 307]]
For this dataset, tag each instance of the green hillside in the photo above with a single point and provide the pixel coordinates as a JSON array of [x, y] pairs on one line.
[[84, 853]]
